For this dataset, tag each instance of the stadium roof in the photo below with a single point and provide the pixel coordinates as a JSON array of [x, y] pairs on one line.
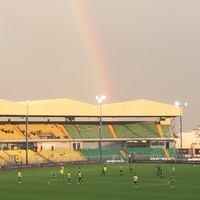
[[68, 107]]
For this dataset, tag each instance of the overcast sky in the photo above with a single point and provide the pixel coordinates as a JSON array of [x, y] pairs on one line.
[[125, 49]]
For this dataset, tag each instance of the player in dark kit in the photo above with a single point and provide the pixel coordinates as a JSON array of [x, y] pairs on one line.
[[53, 174], [120, 170], [158, 169], [172, 181], [161, 173], [130, 169], [102, 171]]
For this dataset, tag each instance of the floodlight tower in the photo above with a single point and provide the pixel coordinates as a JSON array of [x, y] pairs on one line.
[[100, 101], [27, 109], [181, 126]]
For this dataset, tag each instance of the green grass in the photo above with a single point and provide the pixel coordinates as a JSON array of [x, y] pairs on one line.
[[37, 185]]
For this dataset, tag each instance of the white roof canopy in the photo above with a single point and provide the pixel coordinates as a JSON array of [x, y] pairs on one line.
[[67, 107]]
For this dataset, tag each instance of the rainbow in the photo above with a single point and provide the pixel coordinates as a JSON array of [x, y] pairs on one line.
[[95, 55]]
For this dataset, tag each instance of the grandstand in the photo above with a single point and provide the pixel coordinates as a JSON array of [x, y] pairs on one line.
[[78, 141], [69, 140]]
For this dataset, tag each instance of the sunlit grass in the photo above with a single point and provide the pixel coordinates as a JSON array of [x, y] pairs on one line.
[[37, 183]]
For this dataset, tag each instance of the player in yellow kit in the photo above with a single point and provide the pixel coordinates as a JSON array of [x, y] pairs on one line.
[[135, 181], [104, 170], [62, 173], [19, 175], [68, 177], [173, 170], [80, 178]]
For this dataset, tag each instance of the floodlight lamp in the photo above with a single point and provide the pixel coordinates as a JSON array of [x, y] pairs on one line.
[[177, 103], [103, 97], [100, 100]]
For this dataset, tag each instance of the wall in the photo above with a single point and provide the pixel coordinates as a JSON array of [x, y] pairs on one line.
[[93, 145], [57, 145]]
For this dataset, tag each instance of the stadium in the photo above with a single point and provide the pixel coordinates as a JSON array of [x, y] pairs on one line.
[[65, 130], [63, 136]]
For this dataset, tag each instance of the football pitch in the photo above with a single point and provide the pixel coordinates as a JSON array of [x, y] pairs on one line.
[[36, 183]]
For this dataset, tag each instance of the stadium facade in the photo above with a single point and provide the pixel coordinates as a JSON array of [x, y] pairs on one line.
[[49, 130]]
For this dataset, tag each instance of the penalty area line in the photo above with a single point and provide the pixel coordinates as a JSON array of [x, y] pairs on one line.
[[162, 183], [53, 183]]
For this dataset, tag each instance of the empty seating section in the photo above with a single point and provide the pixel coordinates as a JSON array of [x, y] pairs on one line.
[[33, 157], [10, 132], [71, 129], [62, 155], [107, 153], [166, 131], [44, 156], [93, 131], [63, 130], [68, 155], [22, 128], [88, 131], [148, 151], [57, 132], [32, 130], [123, 131], [36, 131], [157, 152], [2, 161], [4, 158], [91, 154], [106, 132], [129, 150], [137, 130], [149, 130], [114, 153], [172, 153], [83, 130]]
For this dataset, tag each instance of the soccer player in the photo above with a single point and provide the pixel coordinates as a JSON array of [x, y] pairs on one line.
[[17, 161], [129, 158], [173, 170], [135, 181], [62, 173], [80, 177], [19, 175], [158, 169], [120, 170], [68, 177], [161, 173], [63, 168], [130, 169], [104, 170], [79, 167], [53, 174], [172, 181]]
